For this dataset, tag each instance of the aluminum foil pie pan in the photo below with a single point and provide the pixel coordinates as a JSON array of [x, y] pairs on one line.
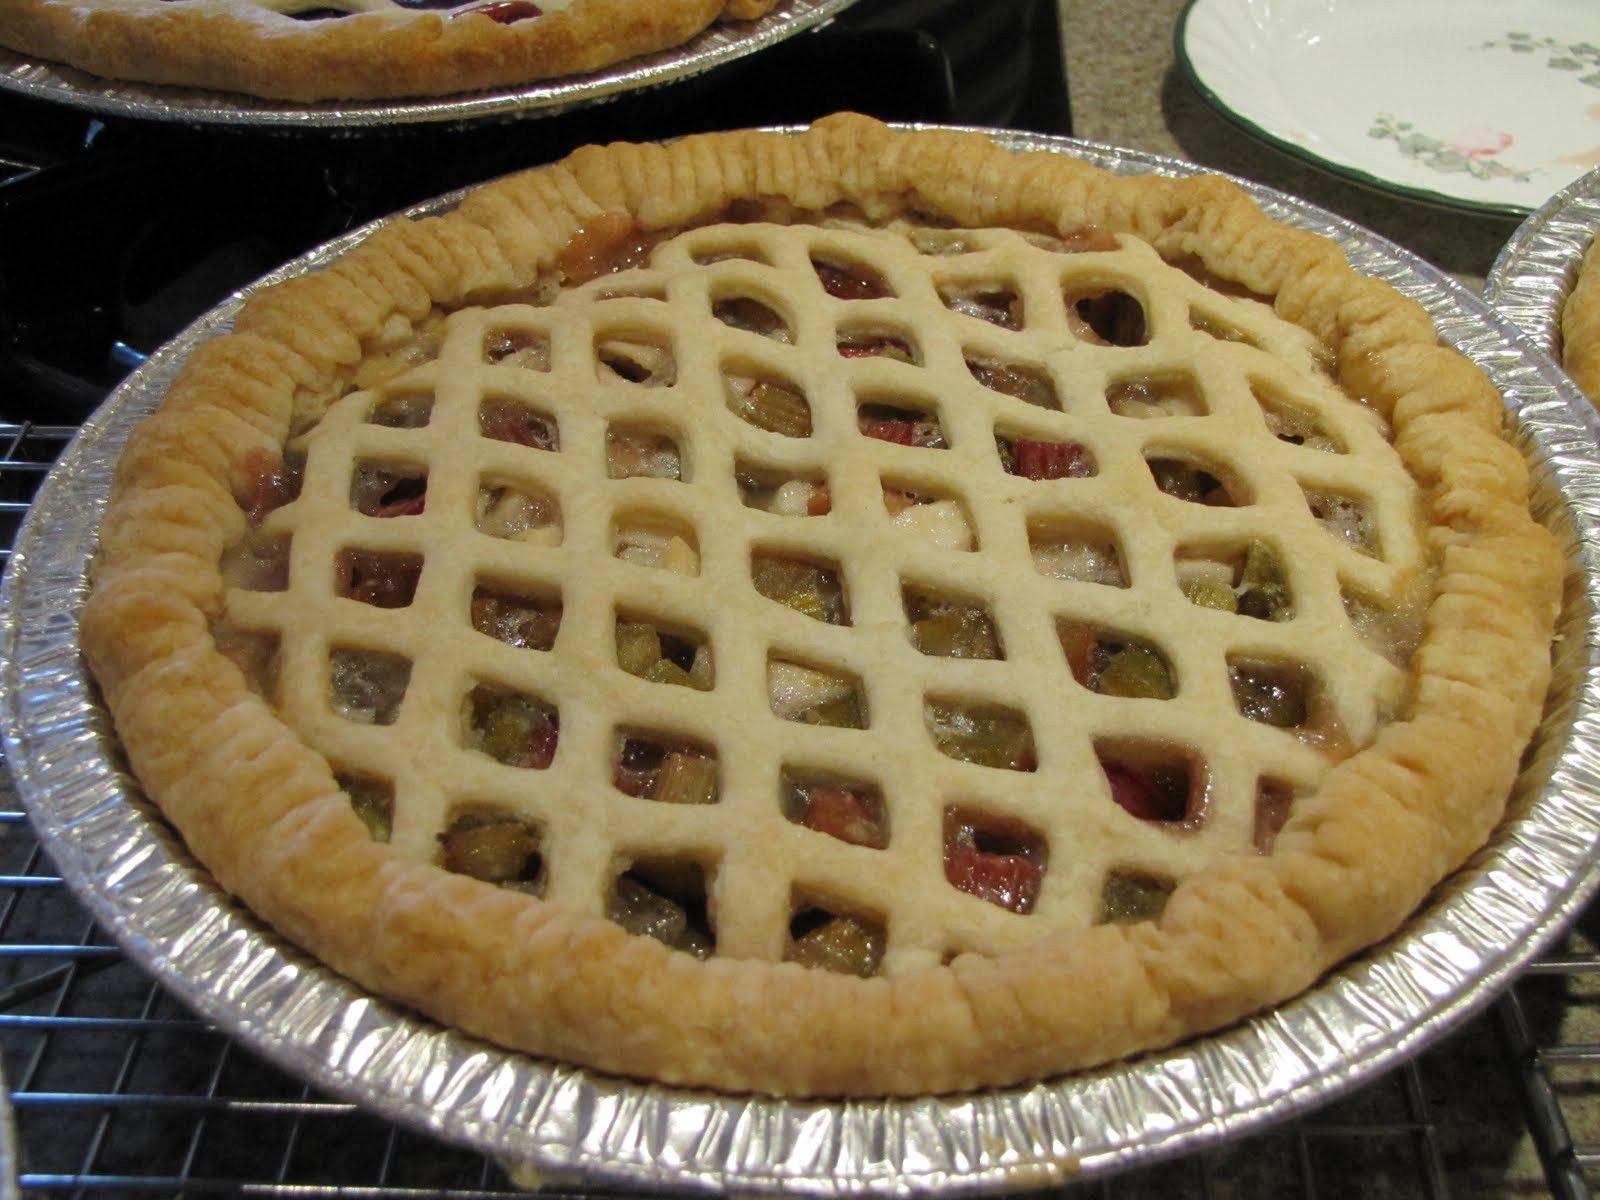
[[1451, 959], [1537, 267], [720, 44]]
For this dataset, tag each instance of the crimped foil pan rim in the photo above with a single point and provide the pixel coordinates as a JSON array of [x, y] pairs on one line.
[[1538, 265], [1483, 924], [43, 80]]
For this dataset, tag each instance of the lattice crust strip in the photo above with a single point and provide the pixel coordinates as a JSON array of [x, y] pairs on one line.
[[1168, 545]]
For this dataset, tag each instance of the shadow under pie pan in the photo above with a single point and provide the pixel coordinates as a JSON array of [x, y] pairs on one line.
[[1450, 959]]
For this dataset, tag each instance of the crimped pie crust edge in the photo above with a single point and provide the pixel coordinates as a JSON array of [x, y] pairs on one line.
[[228, 46], [262, 812]]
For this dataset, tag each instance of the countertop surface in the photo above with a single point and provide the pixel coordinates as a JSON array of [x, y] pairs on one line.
[[1127, 90]]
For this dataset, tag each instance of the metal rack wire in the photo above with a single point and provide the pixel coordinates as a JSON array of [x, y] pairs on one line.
[[116, 1089]]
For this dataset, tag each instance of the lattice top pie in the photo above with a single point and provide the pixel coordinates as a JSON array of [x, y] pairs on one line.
[[853, 612], [1580, 324], [307, 50]]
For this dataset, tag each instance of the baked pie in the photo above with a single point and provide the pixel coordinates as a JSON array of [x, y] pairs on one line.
[[1579, 322], [848, 612], [309, 50]]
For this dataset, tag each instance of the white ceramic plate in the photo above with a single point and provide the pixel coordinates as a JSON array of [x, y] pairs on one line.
[[1484, 105]]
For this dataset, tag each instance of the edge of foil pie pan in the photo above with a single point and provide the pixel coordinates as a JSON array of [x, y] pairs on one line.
[[546, 1120], [1536, 268], [42, 79]]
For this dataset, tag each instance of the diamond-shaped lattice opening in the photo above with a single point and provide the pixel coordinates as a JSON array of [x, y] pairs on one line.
[[1196, 482], [1293, 423], [1177, 394], [510, 346], [256, 655], [371, 799], [997, 859], [1279, 694], [1128, 896], [678, 655], [656, 540], [989, 735], [511, 727], [270, 483], [636, 451], [396, 357], [945, 625], [1105, 315], [494, 845], [1067, 549], [635, 357], [1151, 783], [815, 695], [930, 515], [525, 618], [664, 899], [1041, 459], [367, 686], [1345, 517], [767, 402], [388, 490], [507, 420], [405, 408], [1390, 630], [851, 810], [1020, 381], [1274, 802], [850, 279], [1116, 664], [828, 936], [517, 512], [995, 303], [903, 422], [257, 562], [806, 586], [752, 316], [381, 578], [665, 767], [1249, 580], [875, 342], [782, 492]]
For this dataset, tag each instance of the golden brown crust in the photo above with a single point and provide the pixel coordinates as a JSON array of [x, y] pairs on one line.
[[262, 810], [1580, 325], [386, 52]]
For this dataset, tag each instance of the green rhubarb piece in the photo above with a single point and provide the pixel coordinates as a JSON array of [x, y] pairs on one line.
[[1265, 592], [778, 408], [843, 944], [1210, 592], [843, 713], [638, 647], [509, 728], [1132, 896], [664, 670], [799, 585], [956, 633], [495, 851], [1138, 673], [686, 779]]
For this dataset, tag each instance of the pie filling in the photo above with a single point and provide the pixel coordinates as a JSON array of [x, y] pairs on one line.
[[951, 544]]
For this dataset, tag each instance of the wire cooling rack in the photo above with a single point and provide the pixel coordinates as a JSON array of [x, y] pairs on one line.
[[118, 1090]]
